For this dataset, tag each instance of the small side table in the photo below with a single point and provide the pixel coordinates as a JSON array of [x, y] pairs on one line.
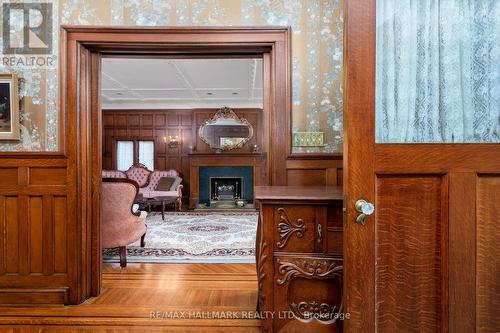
[[162, 201], [143, 202]]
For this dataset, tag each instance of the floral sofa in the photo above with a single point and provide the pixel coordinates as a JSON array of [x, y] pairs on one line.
[[148, 181]]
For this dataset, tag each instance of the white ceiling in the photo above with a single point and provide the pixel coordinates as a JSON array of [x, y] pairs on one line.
[[181, 83]]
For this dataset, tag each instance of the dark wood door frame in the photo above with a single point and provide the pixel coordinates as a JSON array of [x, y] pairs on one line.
[[81, 51]]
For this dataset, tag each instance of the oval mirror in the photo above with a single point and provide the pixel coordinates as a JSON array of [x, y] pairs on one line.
[[225, 130]]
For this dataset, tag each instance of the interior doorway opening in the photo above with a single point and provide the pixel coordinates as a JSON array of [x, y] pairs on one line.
[[164, 121], [84, 50], [165, 205]]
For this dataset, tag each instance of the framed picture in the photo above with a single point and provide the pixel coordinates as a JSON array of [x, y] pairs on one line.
[[9, 108]]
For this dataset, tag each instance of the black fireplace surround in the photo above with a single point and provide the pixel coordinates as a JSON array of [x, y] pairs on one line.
[[235, 182]]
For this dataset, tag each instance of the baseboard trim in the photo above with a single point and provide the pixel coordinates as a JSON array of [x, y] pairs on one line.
[[38, 296]]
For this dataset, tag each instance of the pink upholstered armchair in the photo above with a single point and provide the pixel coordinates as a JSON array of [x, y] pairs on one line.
[[120, 226]]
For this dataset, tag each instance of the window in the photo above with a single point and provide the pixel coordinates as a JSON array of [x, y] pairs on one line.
[[130, 152], [437, 71]]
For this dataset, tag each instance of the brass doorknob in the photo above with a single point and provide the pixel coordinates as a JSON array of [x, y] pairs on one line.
[[365, 209]]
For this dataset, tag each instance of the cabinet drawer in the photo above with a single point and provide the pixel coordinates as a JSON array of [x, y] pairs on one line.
[[308, 294], [299, 228]]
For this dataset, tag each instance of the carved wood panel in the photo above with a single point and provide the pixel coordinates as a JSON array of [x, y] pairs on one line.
[[299, 228], [411, 249], [308, 294]]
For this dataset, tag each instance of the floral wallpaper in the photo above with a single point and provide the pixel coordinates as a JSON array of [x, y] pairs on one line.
[[316, 49]]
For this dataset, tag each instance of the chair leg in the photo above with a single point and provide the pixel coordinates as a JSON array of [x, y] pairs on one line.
[[143, 242], [123, 256], [179, 205]]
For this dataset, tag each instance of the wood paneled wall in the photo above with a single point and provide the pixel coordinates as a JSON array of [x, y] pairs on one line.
[[34, 231], [156, 124], [314, 170]]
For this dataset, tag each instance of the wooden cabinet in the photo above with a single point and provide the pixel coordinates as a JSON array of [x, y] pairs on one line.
[[299, 258]]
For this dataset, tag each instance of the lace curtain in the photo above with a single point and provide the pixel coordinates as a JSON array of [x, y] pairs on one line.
[[438, 71], [124, 155], [147, 154]]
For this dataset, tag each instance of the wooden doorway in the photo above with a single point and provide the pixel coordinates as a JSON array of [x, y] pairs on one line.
[[82, 50], [422, 262]]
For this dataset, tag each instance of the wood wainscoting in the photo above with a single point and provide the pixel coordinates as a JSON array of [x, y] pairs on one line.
[[314, 170], [36, 228]]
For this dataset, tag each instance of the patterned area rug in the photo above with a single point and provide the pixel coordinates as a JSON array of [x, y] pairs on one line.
[[202, 237]]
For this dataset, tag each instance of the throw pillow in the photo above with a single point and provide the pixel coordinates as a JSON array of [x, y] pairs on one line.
[[165, 184], [176, 183]]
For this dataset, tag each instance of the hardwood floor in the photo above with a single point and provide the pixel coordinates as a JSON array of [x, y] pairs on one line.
[[156, 297]]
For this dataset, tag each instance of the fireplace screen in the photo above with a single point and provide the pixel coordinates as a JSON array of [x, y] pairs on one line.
[[225, 189]]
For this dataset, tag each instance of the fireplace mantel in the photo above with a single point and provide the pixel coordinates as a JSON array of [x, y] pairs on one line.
[[255, 160]]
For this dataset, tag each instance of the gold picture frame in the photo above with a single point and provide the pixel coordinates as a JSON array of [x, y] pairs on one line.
[[9, 108], [225, 114]]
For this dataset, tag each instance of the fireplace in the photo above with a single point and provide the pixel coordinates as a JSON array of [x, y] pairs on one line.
[[225, 188]]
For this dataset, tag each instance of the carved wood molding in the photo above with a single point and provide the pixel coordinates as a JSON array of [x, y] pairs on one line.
[[261, 274], [286, 228], [322, 312], [308, 269]]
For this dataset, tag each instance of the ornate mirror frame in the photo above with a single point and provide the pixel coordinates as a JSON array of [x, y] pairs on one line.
[[225, 113]]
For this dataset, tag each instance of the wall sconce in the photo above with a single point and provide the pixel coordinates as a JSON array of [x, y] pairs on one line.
[[172, 141]]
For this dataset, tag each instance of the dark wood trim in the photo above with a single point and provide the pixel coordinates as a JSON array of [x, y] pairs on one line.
[[305, 194], [316, 156], [436, 158], [96, 153], [257, 55], [359, 102]]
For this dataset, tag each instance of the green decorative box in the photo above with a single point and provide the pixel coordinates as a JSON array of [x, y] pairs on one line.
[[308, 139]]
